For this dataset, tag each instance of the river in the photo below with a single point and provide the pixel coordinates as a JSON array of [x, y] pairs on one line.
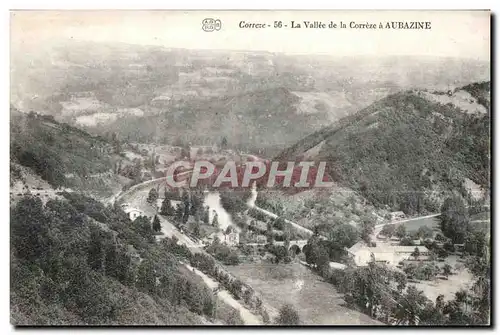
[[212, 200]]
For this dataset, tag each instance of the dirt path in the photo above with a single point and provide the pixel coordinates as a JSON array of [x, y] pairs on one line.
[[246, 315]]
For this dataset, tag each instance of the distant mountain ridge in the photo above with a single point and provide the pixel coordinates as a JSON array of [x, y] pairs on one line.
[[257, 100]]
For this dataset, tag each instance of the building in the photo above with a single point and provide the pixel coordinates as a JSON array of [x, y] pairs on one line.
[[391, 255], [232, 238], [133, 213], [399, 215], [337, 266]]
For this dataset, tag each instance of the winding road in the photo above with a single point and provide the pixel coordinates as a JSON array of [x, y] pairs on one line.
[[246, 315], [136, 197]]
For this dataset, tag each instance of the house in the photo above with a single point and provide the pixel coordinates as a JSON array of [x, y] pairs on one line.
[[391, 255], [133, 213], [399, 215], [211, 237], [408, 250], [231, 238], [416, 242], [337, 266]]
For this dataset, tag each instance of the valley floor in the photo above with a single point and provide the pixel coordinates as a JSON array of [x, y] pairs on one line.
[[316, 301]]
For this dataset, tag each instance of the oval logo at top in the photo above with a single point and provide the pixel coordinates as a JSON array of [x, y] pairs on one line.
[[211, 24]]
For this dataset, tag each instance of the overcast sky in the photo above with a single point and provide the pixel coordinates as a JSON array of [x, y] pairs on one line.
[[454, 33]]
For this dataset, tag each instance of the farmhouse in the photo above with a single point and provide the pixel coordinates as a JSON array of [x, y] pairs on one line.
[[391, 255], [231, 239], [397, 215], [133, 213]]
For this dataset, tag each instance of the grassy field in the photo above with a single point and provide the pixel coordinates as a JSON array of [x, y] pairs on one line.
[[461, 278], [414, 225], [316, 301]]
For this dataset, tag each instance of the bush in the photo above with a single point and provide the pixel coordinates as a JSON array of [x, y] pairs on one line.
[[288, 315]]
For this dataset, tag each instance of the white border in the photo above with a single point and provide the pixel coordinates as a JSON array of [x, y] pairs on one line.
[[185, 4]]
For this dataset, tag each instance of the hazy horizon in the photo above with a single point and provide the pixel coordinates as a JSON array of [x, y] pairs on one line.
[[455, 34]]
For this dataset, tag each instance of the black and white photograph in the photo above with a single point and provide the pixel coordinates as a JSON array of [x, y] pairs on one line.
[[250, 168]]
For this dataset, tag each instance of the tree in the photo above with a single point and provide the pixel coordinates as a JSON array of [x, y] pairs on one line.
[[447, 270], [269, 233], [454, 219], [440, 302], [410, 306], [279, 223], [400, 231], [440, 238], [96, 249], [136, 172], [116, 143], [196, 203], [475, 242], [367, 226], [288, 315], [215, 221], [388, 230], [179, 212], [341, 236], [287, 240], [416, 253], [167, 208], [442, 253], [425, 232], [29, 228], [152, 196], [206, 216], [146, 279], [196, 229], [156, 224], [117, 264], [234, 318], [185, 215], [144, 227], [223, 143], [410, 270], [406, 241]]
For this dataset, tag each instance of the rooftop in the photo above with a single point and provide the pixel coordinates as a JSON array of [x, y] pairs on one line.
[[131, 209]]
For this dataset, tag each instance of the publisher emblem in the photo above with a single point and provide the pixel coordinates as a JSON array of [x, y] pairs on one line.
[[211, 24]]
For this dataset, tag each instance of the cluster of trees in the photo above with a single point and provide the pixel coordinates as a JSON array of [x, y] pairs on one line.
[[272, 206], [69, 269], [288, 316], [384, 294], [234, 201], [280, 252], [320, 252], [223, 253], [152, 196], [53, 149], [208, 265], [458, 228], [456, 224], [191, 205], [399, 231], [407, 141], [425, 271]]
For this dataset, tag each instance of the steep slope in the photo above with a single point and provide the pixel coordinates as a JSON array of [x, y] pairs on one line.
[[409, 149], [76, 262], [62, 155]]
